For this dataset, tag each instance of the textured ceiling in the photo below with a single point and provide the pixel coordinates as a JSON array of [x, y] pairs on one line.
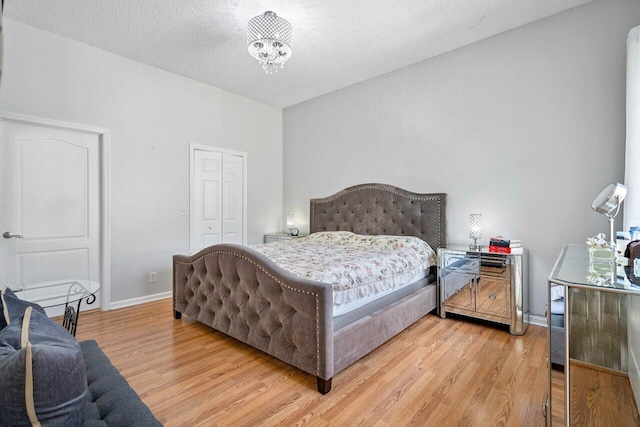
[[336, 43]]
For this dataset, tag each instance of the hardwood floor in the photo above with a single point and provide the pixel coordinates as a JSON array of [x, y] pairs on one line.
[[437, 372], [557, 398], [599, 397]]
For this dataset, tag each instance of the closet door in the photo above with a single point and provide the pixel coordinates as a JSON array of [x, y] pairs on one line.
[[232, 198], [206, 229], [217, 198]]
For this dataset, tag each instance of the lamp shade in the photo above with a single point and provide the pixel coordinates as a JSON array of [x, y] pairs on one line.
[[475, 226]]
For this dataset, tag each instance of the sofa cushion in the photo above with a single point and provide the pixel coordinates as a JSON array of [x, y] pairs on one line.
[[12, 307], [42, 373], [112, 401]]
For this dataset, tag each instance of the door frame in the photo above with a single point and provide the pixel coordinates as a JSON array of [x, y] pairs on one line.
[[192, 188], [104, 151]]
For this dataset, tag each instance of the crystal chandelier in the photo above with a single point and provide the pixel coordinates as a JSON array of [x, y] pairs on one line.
[[269, 41]]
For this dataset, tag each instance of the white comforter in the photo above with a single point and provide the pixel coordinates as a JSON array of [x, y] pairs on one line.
[[355, 265]]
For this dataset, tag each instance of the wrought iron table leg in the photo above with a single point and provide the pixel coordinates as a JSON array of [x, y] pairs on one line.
[[71, 314], [70, 319]]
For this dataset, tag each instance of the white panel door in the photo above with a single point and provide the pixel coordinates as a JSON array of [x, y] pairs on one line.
[[232, 198], [207, 226], [50, 197]]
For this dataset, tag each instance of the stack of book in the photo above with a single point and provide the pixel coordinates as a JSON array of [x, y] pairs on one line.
[[504, 245]]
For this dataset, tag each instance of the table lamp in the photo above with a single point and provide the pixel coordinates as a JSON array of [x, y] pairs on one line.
[[291, 225], [475, 230]]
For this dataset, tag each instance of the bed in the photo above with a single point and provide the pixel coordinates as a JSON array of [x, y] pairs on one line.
[[241, 292]]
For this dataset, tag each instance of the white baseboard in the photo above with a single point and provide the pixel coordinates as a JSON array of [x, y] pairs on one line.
[[140, 300], [538, 320]]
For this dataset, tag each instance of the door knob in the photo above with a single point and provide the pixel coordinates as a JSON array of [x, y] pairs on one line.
[[9, 235]]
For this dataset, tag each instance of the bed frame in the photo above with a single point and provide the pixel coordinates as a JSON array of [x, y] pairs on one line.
[[243, 294]]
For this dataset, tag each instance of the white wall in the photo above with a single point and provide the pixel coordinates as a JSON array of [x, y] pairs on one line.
[[153, 115], [525, 127]]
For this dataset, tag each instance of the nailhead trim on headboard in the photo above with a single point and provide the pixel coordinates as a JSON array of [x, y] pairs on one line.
[[383, 223]]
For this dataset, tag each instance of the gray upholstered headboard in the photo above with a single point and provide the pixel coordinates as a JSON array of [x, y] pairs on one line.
[[383, 209]]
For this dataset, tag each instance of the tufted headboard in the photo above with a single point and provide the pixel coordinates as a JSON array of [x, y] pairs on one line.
[[383, 209]]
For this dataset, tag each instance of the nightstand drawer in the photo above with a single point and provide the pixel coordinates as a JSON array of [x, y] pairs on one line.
[[495, 265], [493, 297], [457, 287], [461, 262], [277, 237]]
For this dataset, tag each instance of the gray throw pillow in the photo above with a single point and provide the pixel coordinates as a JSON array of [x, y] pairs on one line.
[[42, 374], [12, 307]]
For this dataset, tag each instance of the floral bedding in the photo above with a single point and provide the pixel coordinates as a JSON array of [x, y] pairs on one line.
[[355, 265]]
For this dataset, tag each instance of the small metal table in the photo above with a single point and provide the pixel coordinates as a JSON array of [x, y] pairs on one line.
[[577, 268], [62, 293]]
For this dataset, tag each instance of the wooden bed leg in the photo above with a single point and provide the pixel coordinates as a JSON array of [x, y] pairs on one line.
[[324, 386], [177, 315]]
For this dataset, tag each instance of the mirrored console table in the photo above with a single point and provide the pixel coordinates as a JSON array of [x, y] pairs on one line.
[[589, 341]]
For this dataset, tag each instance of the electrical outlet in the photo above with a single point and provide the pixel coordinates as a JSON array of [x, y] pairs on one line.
[[153, 277]]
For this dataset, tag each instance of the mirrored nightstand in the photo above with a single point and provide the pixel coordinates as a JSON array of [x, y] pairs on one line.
[[277, 237], [485, 285]]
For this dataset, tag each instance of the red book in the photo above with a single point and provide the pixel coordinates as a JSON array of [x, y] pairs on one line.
[[504, 250]]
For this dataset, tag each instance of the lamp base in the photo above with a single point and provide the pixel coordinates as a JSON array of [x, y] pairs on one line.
[[475, 246]]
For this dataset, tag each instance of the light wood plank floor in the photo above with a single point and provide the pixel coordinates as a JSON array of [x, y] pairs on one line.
[[438, 372], [599, 397]]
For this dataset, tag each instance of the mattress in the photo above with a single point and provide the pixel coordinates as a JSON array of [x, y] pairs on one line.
[[360, 268], [340, 309], [348, 315]]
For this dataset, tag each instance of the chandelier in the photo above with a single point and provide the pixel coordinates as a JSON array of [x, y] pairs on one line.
[[269, 41]]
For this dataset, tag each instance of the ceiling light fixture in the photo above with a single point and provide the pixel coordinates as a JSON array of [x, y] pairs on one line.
[[269, 41]]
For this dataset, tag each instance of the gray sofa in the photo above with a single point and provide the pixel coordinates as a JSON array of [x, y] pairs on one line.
[[48, 378], [112, 402]]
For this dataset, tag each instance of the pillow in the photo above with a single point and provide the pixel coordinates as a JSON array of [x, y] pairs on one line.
[[13, 307], [43, 380]]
